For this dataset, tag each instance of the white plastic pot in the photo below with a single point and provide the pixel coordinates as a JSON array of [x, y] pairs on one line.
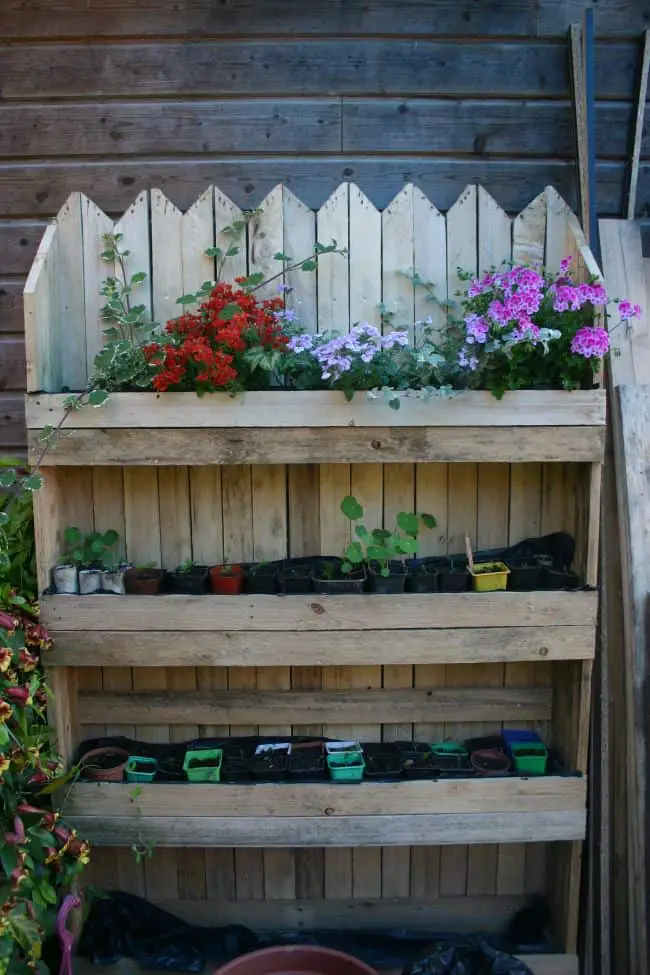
[[113, 580], [90, 580], [66, 581]]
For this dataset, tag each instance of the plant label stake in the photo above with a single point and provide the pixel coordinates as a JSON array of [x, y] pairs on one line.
[[66, 937]]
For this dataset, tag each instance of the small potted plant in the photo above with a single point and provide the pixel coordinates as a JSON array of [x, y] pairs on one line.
[[382, 760], [295, 575], [382, 552], [113, 578], [450, 757], [227, 579], [453, 575], [261, 578], [203, 764], [416, 760], [271, 761], [86, 556], [486, 576], [346, 766], [422, 576], [143, 580], [337, 577], [106, 764], [140, 769], [189, 579], [524, 575], [307, 760]]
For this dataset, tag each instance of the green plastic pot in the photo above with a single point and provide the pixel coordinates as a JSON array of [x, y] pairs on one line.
[[529, 757], [448, 748], [140, 769], [346, 766], [209, 770]]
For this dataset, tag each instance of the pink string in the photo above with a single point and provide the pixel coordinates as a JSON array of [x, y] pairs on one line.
[[66, 937]]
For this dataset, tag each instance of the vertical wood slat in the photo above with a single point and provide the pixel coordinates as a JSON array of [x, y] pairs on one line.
[[41, 325], [332, 224], [95, 225]]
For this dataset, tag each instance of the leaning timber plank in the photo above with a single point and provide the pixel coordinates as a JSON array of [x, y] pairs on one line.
[[315, 612], [522, 408], [549, 793], [308, 707], [418, 830], [133, 648], [309, 445]]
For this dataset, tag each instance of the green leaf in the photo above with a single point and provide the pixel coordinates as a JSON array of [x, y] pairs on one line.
[[138, 277], [281, 257], [213, 252], [229, 311], [361, 532], [351, 508], [7, 478], [110, 537], [97, 397], [309, 265], [409, 523], [186, 300], [33, 483], [354, 553], [232, 251], [72, 535], [381, 535], [253, 280], [428, 520]]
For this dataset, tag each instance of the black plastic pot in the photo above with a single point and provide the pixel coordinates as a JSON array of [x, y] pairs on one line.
[[453, 576], [392, 583], [194, 582], [236, 763], [559, 579], [261, 580], [383, 760], [421, 576], [307, 761], [524, 576], [340, 584], [451, 765], [295, 576], [270, 766], [419, 765]]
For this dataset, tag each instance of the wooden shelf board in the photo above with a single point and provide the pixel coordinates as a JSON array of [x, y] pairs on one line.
[[232, 707], [317, 613], [335, 445], [319, 409], [369, 814]]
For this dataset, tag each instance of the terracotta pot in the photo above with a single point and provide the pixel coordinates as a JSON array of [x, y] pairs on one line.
[[227, 580], [143, 582], [296, 960], [113, 773]]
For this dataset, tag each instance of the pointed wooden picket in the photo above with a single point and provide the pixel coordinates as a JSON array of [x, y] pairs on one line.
[[166, 257], [365, 259], [529, 233], [462, 244], [430, 260], [299, 241], [95, 224], [197, 234], [560, 242], [398, 259], [134, 227], [265, 240], [494, 233], [226, 213], [332, 224], [69, 292]]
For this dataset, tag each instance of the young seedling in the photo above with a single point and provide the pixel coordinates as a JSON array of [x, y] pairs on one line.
[[380, 545]]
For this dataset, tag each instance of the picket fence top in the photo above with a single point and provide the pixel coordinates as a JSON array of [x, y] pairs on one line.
[[383, 250]]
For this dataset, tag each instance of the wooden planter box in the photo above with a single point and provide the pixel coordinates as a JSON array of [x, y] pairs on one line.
[[261, 477]]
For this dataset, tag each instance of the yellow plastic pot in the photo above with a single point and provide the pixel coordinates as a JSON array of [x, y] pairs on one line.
[[489, 576]]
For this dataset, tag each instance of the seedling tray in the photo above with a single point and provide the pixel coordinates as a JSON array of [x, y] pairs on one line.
[[270, 762], [419, 765], [307, 762], [383, 760], [346, 766], [489, 576], [140, 769], [452, 764], [203, 765]]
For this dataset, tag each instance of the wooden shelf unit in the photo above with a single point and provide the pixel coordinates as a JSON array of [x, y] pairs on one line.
[[261, 477]]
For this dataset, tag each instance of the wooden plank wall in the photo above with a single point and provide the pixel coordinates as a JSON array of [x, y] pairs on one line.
[[116, 97]]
